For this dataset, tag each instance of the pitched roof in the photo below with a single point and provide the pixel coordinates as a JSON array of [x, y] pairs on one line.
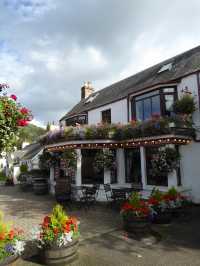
[[31, 150], [182, 65]]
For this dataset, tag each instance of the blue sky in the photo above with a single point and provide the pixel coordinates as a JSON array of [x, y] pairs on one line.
[[48, 48]]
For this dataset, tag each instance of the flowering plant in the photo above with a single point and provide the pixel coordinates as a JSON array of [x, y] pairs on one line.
[[12, 116], [175, 199], [11, 240], [165, 161], [104, 159], [57, 229], [136, 206], [157, 202]]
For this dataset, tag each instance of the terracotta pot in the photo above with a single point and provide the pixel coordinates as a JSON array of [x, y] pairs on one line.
[[61, 255], [163, 218], [135, 224], [10, 261]]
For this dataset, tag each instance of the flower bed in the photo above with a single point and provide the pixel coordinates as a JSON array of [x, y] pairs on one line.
[[57, 237], [11, 242]]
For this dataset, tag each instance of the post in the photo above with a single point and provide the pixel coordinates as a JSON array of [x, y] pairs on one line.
[[143, 166], [52, 181], [78, 170], [120, 166]]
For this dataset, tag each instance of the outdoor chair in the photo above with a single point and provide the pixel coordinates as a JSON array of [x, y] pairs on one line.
[[108, 192], [119, 195], [89, 196]]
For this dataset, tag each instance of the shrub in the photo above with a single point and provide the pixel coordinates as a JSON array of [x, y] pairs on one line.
[[185, 105]]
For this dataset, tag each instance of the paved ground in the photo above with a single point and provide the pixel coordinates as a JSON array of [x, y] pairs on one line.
[[103, 242]]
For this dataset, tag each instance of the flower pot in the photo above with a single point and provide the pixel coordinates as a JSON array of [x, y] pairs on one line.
[[162, 218], [135, 224], [10, 261], [177, 212], [61, 255]]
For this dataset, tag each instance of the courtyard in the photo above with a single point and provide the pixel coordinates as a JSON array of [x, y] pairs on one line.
[[103, 241]]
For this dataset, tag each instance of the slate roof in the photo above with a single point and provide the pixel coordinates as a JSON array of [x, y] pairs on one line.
[[182, 65], [31, 150]]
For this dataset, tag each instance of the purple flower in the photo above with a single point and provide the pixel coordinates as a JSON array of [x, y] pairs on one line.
[[9, 248]]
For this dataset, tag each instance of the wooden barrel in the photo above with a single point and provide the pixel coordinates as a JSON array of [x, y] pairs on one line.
[[135, 224], [61, 255], [40, 186], [10, 261]]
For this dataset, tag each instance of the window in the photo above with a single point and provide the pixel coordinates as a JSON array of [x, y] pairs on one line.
[[156, 102], [106, 116], [79, 119], [132, 166], [88, 172], [151, 179]]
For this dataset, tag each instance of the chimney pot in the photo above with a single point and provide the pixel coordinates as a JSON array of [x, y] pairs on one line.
[[86, 90]]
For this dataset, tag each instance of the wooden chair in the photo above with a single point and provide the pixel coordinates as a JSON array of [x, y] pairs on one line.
[[108, 192]]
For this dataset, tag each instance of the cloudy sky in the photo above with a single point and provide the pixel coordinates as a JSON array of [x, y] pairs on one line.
[[48, 48]]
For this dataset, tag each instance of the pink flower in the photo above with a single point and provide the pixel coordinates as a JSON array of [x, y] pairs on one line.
[[14, 97], [22, 123], [24, 111]]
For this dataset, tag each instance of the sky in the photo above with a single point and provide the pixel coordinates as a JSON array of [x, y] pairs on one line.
[[49, 48]]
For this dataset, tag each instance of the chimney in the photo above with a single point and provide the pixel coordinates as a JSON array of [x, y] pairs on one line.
[[86, 90]]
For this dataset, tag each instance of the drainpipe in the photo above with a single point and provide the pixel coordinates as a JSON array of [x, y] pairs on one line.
[[198, 86]]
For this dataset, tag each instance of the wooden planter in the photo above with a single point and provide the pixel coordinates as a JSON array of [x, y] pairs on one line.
[[163, 217], [10, 261], [135, 224], [61, 255], [40, 186]]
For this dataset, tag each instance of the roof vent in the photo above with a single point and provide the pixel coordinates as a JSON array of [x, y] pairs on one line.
[[91, 98], [165, 68]]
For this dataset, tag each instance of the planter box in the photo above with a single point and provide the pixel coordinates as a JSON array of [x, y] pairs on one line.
[[60, 255], [10, 261]]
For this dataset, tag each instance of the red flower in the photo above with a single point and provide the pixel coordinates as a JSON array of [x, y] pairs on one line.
[[127, 206], [14, 97], [153, 201], [22, 123], [67, 227], [11, 234], [55, 230], [24, 111]]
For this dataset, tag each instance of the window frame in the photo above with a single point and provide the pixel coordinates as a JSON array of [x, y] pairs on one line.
[[110, 119], [161, 94]]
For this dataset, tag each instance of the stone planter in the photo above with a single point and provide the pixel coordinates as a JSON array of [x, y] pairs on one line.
[[10, 261], [60, 255], [133, 224], [162, 218]]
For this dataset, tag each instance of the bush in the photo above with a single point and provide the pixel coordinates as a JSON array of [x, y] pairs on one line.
[[185, 105], [3, 177]]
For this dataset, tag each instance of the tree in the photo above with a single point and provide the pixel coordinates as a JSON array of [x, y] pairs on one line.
[[12, 116]]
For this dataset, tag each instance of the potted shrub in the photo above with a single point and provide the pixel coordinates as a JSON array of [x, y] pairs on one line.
[[161, 213], [185, 105], [135, 213], [57, 237], [11, 243]]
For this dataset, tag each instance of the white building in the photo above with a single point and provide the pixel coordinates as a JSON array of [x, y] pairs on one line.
[[153, 90]]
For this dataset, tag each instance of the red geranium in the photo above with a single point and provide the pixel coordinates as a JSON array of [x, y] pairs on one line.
[[14, 97], [24, 111], [22, 123]]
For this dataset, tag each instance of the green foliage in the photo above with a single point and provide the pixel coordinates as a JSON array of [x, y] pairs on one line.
[[185, 105], [3, 177], [70, 157], [30, 134], [157, 194], [172, 191], [23, 168]]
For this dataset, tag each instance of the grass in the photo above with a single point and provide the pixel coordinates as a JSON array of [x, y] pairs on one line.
[[3, 177]]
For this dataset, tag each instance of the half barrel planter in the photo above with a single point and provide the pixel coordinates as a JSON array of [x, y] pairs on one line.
[[135, 224], [163, 217], [61, 255], [10, 261]]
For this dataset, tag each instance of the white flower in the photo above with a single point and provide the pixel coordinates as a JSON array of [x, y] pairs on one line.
[[18, 247], [64, 239]]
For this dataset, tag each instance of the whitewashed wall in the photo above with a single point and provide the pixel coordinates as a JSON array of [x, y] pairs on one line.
[[118, 113], [190, 154]]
